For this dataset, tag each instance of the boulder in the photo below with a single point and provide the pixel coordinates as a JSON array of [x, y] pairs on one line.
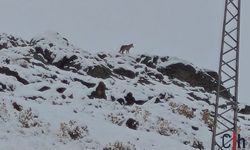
[[17, 106], [130, 100], [132, 124], [60, 90], [99, 92], [121, 101]]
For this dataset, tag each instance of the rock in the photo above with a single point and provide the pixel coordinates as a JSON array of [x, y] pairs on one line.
[[147, 60], [60, 90], [65, 81], [99, 72], [188, 73], [43, 55], [7, 61], [44, 88], [68, 63], [8, 72], [157, 100], [34, 97], [51, 48], [130, 100], [63, 96], [87, 84], [143, 80], [155, 59], [164, 59], [3, 87], [162, 95], [71, 96], [140, 102], [102, 56], [155, 76], [8, 41], [17, 106], [121, 101], [132, 124], [199, 98], [124, 72], [47, 57], [198, 145], [99, 92], [245, 111], [112, 98], [213, 74], [195, 128]]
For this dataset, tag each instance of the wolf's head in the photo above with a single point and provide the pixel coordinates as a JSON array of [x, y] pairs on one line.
[[131, 45]]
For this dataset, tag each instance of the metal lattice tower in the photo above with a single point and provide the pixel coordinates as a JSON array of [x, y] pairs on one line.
[[226, 104]]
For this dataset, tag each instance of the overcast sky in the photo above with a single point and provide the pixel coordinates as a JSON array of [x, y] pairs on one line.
[[189, 29]]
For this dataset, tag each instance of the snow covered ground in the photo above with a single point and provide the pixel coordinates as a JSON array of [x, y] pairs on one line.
[[46, 86]]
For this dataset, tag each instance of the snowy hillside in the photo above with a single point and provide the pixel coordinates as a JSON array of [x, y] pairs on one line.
[[57, 96]]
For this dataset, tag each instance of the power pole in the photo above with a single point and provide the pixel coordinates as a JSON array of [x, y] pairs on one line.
[[227, 106]]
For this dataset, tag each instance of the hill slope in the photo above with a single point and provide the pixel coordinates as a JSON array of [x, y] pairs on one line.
[[57, 96]]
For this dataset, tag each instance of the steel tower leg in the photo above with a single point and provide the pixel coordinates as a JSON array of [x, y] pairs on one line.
[[226, 105]]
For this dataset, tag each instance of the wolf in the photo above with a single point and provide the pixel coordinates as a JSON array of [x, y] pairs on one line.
[[125, 48]]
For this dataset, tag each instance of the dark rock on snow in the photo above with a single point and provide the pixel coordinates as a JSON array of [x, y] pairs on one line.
[[99, 72], [44, 88], [121, 101], [245, 110], [124, 72], [130, 100], [132, 124], [8, 72], [99, 92], [195, 78], [60, 90], [17, 106]]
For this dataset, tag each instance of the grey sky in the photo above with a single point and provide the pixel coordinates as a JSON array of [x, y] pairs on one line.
[[189, 29]]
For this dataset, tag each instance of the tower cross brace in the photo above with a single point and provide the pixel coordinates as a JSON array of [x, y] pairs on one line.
[[226, 104]]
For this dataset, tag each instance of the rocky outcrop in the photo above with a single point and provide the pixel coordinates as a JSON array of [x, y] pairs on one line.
[[189, 74], [8, 72], [124, 72], [148, 61], [68, 63], [8, 41], [43, 55], [99, 71]]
